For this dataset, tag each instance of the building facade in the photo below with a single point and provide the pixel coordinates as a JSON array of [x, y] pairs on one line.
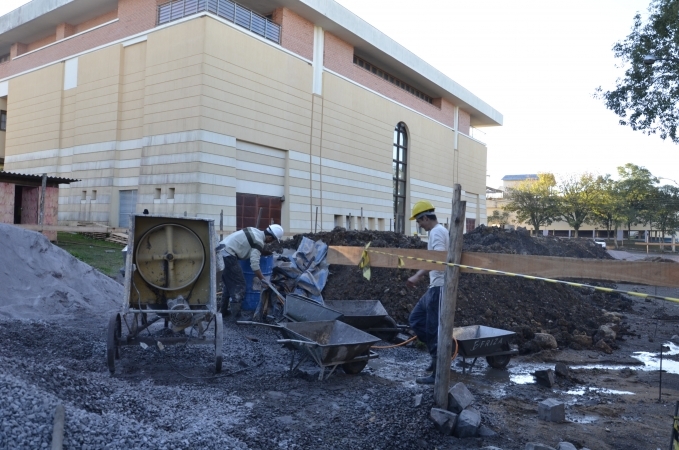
[[288, 111]]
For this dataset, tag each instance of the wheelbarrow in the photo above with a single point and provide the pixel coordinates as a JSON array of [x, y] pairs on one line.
[[367, 315], [298, 308], [477, 341], [329, 343]]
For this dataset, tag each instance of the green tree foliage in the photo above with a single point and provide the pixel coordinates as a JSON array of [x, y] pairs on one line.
[[646, 97], [578, 195], [535, 202], [608, 205], [664, 207], [499, 218], [636, 185]]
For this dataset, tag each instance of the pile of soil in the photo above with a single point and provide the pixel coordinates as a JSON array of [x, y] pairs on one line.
[[521, 305]]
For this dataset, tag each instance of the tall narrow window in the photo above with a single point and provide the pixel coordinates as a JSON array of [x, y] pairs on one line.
[[399, 176], [3, 120]]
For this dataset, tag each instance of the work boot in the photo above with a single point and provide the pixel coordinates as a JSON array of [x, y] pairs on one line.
[[431, 379], [235, 312]]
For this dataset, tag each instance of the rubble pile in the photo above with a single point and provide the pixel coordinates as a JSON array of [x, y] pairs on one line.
[[524, 306]]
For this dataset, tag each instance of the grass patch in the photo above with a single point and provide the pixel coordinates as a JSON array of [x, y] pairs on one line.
[[103, 256]]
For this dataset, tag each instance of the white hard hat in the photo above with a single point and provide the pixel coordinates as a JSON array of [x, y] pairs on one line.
[[275, 231]]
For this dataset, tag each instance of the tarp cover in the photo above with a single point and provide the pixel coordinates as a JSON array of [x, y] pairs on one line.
[[303, 271]]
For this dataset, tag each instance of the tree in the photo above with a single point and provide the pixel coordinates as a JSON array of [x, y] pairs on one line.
[[500, 218], [608, 205], [646, 98], [665, 210], [578, 195], [635, 185], [534, 201]]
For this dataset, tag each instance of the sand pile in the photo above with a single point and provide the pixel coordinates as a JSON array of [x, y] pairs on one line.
[[39, 280]]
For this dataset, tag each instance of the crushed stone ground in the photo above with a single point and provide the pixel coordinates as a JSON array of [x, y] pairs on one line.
[[52, 351]]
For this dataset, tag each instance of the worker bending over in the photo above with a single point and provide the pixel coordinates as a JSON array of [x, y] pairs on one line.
[[424, 318], [247, 243]]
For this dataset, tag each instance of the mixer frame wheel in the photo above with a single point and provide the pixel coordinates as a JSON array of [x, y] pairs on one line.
[[219, 340], [113, 342]]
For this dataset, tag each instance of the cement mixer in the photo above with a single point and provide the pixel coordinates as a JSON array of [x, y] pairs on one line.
[[170, 279]]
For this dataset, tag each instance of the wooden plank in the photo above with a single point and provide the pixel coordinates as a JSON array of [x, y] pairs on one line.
[[36, 227], [635, 272]]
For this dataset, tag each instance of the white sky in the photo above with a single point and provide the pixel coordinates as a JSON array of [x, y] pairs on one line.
[[538, 63]]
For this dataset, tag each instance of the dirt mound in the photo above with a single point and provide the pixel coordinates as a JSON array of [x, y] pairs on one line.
[[524, 306], [41, 281]]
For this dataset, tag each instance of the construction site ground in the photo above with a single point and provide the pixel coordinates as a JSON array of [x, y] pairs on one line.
[[55, 312]]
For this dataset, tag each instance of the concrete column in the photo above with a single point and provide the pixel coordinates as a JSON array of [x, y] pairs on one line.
[[64, 30], [17, 49]]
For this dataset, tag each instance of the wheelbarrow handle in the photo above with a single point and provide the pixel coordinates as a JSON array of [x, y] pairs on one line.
[[261, 324], [294, 341]]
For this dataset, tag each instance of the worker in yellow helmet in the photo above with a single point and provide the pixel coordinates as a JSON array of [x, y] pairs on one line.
[[424, 318]]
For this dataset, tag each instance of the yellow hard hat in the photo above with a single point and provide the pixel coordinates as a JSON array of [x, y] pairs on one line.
[[421, 207]]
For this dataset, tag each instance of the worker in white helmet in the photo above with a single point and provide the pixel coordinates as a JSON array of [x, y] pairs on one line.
[[424, 318], [247, 243]]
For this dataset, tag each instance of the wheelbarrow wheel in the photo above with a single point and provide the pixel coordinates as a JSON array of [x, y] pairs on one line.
[[113, 342], [353, 368], [219, 339], [498, 361], [387, 335]]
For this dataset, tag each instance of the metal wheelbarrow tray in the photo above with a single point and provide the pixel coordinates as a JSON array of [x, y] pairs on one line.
[[367, 315], [330, 344], [479, 340], [301, 309]]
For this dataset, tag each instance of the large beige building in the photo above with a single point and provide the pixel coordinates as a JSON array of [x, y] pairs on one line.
[[296, 111]]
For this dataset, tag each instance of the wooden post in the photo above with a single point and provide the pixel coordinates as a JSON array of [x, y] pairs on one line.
[[43, 190], [58, 428], [449, 299]]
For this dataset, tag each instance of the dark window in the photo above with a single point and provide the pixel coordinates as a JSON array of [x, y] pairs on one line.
[[399, 162], [4, 58], [3, 120]]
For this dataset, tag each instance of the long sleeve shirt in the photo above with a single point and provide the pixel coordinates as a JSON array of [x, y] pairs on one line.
[[245, 244], [438, 240]]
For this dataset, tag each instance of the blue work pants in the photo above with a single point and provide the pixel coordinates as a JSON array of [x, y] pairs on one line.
[[424, 319]]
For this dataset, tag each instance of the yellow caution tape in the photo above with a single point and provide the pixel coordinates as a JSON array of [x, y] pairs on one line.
[[500, 272], [364, 263]]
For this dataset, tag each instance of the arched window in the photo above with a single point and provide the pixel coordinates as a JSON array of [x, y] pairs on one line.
[[400, 158]]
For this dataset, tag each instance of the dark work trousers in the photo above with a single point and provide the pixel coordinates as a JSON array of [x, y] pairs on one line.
[[424, 319], [234, 281]]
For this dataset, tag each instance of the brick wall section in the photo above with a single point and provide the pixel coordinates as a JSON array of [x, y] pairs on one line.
[[6, 203], [297, 32], [135, 16], [106, 17], [65, 30], [465, 122], [339, 57], [29, 204], [40, 43]]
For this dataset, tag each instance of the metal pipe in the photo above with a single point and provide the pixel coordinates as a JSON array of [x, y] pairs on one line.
[[259, 216], [58, 429]]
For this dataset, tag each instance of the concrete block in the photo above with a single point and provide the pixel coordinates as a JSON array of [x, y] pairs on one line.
[[417, 400], [443, 420], [545, 377], [459, 398], [552, 410], [467, 423], [537, 446], [565, 446], [545, 340]]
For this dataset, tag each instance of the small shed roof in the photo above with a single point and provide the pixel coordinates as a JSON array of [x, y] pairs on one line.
[[530, 176], [32, 180]]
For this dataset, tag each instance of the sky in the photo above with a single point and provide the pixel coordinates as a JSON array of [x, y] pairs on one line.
[[538, 63]]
